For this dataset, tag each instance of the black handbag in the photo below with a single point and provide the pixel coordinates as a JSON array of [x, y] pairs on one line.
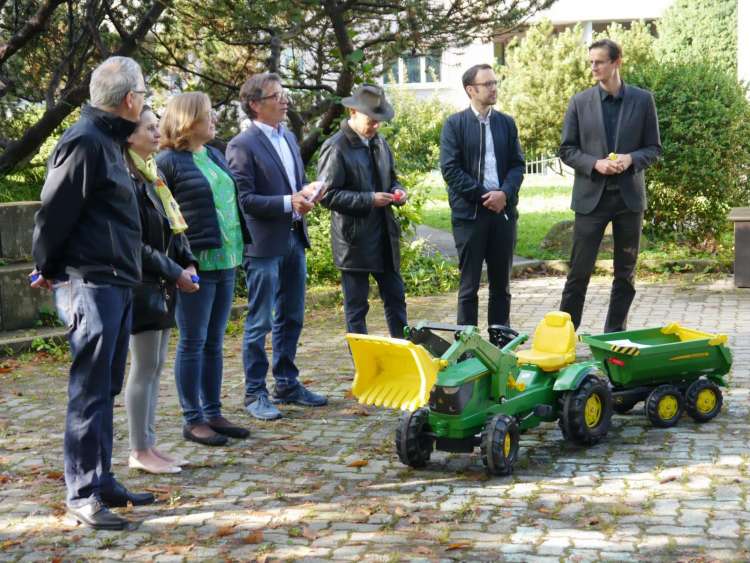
[[151, 306]]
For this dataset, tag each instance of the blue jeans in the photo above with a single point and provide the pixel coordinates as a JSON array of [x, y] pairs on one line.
[[275, 302], [98, 317], [202, 319]]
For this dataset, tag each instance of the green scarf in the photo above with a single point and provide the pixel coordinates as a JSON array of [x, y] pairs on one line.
[[148, 169]]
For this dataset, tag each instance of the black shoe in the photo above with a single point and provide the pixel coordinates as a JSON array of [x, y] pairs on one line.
[[118, 495], [96, 515], [222, 426], [215, 440]]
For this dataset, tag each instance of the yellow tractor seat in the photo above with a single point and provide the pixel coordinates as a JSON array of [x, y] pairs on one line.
[[554, 343]]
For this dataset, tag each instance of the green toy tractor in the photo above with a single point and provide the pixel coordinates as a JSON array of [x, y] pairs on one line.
[[465, 392]]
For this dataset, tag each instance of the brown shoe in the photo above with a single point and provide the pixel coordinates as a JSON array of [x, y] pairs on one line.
[[223, 426], [212, 439]]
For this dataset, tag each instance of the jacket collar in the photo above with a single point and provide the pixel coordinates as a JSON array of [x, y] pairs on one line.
[[113, 125], [352, 137]]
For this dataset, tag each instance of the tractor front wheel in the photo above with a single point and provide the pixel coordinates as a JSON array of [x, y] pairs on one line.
[[664, 406], [499, 444], [413, 444], [587, 412], [703, 400]]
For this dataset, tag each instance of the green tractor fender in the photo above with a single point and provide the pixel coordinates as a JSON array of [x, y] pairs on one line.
[[570, 377]]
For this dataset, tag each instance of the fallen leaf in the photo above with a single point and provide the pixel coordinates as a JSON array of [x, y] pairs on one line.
[[55, 475], [422, 550], [225, 531], [593, 521], [356, 410], [9, 543], [358, 463], [400, 512], [349, 395], [256, 536], [5, 370], [458, 545], [309, 534], [545, 510], [668, 479], [295, 448]]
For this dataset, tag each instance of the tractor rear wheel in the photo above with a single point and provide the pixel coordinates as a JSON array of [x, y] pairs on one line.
[[703, 400], [586, 412], [499, 444], [413, 444], [664, 406]]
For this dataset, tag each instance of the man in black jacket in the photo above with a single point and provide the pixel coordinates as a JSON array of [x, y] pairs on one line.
[[88, 229], [357, 165], [610, 136], [482, 163]]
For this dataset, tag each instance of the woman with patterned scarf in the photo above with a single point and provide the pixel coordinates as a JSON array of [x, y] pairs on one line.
[[167, 264]]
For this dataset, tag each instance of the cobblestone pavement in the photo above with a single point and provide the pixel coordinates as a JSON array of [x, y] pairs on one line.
[[326, 484]]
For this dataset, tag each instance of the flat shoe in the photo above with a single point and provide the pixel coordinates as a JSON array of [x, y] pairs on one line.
[[215, 440], [135, 463], [222, 426]]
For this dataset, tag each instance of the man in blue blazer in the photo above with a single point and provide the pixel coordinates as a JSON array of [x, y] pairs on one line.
[[610, 137], [274, 197]]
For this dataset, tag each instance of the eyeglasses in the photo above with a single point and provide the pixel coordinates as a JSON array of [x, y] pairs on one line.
[[144, 92], [282, 96], [488, 84], [600, 63]]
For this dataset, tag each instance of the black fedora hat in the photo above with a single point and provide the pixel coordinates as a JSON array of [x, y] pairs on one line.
[[370, 100]]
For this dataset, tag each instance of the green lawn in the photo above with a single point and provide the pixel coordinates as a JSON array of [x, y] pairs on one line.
[[540, 207]]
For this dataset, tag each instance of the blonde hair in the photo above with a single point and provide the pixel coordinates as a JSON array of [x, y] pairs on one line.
[[183, 111]]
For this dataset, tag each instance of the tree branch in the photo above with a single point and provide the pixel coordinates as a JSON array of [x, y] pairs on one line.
[[33, 26]]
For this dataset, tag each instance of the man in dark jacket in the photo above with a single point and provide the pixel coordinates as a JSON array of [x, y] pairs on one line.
[[482, 163], [274, 197], [610, 136], [88, 229], [357, 165]]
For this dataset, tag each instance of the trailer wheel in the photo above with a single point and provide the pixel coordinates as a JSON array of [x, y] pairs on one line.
[[703, 400], [499, 444], [413, 444], [664, 406], [587, 412]]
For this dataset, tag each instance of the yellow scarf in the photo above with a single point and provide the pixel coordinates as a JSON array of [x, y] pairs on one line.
[[148, 169]]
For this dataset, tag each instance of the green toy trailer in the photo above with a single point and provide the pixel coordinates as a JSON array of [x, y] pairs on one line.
[[467, 392], [672, 368]]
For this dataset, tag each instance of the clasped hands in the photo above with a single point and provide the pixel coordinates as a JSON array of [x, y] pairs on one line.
[[495, 201], [610, 166]]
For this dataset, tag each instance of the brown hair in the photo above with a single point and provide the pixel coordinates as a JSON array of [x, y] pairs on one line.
[[613, 49], [183, 111], [252, 90], [131, 165]]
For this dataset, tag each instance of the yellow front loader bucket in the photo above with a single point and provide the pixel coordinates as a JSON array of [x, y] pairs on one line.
[[391, 372]]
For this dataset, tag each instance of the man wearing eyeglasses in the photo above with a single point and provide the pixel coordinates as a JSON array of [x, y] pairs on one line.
[[610, 137], [482, 164], [275, 197]]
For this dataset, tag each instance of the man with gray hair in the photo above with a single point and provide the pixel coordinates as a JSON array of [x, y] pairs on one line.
[[88, 231]]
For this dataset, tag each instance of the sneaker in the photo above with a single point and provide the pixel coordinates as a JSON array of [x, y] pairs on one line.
[[262, 409], [299, 395]]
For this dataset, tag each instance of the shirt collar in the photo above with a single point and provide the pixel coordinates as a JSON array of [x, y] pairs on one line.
[[603, 93], [478, 116], [268, 130]]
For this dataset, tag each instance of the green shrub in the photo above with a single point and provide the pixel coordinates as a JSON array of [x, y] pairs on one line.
[[704, 119]]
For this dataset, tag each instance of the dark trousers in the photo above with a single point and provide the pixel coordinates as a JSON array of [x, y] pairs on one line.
[[588, 231], [489, 238], [356, 288], [98, 316]]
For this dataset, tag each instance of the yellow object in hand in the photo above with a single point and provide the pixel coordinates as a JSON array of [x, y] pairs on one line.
[[612, 156]]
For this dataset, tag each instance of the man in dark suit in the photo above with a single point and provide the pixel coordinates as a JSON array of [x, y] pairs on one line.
[[610, 136], [482, 163], [274, 197]]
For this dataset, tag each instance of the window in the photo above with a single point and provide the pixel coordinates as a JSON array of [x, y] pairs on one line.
[[414, 69]]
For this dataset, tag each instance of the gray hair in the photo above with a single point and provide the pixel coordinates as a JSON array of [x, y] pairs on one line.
[[112, 80]]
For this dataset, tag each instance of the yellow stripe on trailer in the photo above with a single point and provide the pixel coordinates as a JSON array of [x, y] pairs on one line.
[[689, 356], [628, 350]]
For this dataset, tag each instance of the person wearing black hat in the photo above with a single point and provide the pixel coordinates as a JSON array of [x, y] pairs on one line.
[[357, 166]]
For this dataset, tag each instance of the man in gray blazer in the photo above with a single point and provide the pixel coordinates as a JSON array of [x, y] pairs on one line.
[[610, 136]]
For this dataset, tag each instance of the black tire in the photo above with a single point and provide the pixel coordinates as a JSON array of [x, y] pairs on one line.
[[499, 444], [413, 445], [623, 407], [703, 400], [664, 406], [586, 413]]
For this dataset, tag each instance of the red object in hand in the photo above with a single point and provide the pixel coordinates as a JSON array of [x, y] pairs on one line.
[[398, 195]]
